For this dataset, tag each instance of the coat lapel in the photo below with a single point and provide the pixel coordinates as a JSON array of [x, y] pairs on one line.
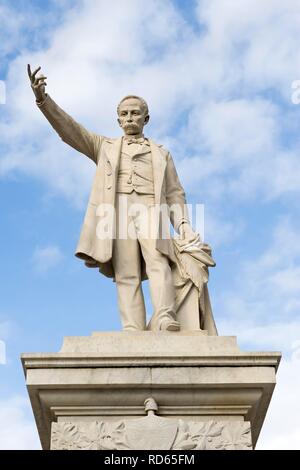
[[113, 151], [158, 165]]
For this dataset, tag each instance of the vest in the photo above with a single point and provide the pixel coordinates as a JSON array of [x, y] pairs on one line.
[[135, 168]]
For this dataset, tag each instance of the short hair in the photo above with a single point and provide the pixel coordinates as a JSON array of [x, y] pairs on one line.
[[143, 102]]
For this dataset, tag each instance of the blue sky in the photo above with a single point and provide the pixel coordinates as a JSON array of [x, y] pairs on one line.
[[217, 76]]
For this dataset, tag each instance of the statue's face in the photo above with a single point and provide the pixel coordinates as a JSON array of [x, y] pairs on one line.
[[132, 117]]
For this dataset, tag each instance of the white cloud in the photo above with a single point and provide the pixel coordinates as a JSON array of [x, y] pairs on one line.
[[264, 290], [259, 36], [17, 430], [232, 143], [273, 336], [5, 332], [220, 231], [6, 328], [46, 258], [10, 32]]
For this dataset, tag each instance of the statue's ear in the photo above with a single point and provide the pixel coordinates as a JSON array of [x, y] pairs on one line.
[[119, 122], [147, 119]]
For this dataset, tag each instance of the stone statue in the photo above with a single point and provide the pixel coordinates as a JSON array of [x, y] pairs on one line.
[[133, 171]]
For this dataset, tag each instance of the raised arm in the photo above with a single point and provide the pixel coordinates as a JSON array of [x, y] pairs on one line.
[[70, 131]]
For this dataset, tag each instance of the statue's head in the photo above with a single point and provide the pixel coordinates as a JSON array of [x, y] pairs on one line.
[[133, 114]]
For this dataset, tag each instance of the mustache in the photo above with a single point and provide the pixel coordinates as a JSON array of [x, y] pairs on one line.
[[131, 124]]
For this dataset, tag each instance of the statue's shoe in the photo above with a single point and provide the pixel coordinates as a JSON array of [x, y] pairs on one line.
[[169, 325]]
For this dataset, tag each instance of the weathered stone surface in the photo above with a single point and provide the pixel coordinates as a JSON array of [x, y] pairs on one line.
[[107, 377], [158, 434]]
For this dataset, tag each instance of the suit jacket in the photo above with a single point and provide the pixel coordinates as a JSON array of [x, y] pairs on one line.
[[105, 152]]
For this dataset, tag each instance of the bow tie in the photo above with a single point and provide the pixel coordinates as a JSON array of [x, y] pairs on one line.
[[140, 140]]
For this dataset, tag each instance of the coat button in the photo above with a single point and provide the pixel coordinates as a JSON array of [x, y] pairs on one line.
[[109, 186]]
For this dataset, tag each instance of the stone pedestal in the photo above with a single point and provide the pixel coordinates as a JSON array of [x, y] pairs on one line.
[[204, 393]]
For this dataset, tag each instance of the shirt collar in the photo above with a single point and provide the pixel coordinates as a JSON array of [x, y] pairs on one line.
[[139, 140]]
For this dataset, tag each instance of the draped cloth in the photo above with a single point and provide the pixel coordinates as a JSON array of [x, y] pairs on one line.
[[190, 277]]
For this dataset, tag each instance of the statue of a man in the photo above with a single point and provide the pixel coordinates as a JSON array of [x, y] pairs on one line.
[[135, 170]]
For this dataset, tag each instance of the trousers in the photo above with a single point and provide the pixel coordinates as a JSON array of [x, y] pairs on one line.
[[134, 239]]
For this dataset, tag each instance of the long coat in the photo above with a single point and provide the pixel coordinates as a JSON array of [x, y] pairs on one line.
[[105, 152]]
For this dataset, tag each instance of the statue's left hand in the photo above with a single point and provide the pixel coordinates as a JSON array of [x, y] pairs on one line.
[[186, 231]]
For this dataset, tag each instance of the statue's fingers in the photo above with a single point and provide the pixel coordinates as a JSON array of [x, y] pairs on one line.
[[38, 80], [42, 77], [29, 71], [35, 72], [37, 86], [41, 84]]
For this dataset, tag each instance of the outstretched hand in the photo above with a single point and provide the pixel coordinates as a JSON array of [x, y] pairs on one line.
[[38, 84]]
